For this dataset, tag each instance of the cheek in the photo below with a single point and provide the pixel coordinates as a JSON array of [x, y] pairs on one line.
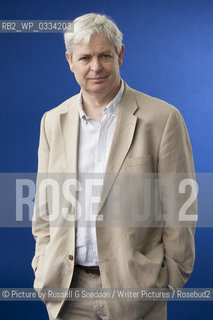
[[113, 68], [78, 76], [83, 71]]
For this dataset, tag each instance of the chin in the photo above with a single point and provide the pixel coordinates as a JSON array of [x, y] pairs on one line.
[[98, 87]]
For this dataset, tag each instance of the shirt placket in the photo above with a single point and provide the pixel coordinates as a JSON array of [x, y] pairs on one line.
[[101, 149]]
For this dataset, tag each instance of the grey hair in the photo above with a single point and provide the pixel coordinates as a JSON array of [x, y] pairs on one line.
[[89, 24]]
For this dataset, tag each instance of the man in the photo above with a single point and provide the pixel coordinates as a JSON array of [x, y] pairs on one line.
[[113, 130]]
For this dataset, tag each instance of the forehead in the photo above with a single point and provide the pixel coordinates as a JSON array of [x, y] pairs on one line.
[[98, 43]]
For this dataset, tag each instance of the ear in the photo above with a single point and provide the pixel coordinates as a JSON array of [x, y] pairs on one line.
[[69, 61], [120, 56]]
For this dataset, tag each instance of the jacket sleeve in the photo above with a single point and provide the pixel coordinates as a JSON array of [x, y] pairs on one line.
[[176, 164], [40, 225]]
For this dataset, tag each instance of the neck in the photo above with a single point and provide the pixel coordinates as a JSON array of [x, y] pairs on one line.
[[94, 103]]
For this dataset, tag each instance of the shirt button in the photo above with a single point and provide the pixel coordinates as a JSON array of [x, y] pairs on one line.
[[70, 256]]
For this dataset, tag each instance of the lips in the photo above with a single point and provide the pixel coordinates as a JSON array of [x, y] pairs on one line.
[[98, 78]]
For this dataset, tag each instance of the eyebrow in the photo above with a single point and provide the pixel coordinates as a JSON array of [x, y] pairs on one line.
[[82, 54], [106, 51]]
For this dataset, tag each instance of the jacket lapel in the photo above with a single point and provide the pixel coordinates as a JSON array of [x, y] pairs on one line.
[[69, 121], [122, 139]]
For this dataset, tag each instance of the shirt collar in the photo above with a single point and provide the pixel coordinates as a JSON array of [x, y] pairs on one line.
[[112, 106]]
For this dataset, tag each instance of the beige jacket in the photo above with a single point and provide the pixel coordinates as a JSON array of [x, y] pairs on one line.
[[150, 136]]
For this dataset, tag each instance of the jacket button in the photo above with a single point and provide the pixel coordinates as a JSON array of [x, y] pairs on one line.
[[70, 256]]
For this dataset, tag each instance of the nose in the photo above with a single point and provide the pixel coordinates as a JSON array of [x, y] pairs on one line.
[[95, 65]]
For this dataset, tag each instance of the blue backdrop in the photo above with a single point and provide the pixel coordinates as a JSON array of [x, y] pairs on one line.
[[168, 55]]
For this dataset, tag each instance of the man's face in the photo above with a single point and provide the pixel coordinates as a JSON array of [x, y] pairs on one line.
[[96, 66]]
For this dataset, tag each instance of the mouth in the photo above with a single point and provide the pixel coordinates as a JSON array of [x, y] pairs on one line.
[[98, 78]]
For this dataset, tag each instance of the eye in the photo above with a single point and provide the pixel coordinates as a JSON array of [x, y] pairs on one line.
[[106, 56], [84, 58]]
